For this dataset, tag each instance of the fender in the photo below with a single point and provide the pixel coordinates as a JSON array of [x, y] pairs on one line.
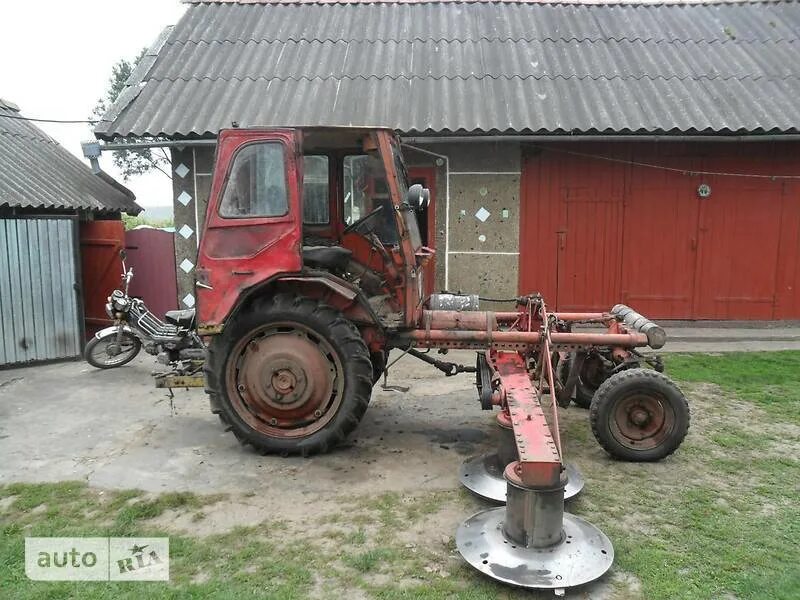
[[113, 331]]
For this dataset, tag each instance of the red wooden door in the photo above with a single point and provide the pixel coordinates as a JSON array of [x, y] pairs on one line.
[[738, 250], [589, 249], [660, 251], [101, 269]]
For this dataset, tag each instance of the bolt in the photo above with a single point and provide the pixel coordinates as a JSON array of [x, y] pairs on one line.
[[240, 387], [273, 421], [318, 413]]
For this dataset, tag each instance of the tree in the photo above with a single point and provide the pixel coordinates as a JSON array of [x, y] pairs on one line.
[[130, 162]]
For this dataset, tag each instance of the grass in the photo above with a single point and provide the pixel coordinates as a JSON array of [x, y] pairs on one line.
[[719, 519], [770, 380]]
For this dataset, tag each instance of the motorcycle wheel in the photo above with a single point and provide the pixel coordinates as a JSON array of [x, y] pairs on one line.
[[108, 353]]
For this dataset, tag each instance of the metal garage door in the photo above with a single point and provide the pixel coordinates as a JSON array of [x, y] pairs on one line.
[[39, 308]]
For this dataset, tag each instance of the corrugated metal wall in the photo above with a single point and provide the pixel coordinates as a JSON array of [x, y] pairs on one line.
[[39, 308]]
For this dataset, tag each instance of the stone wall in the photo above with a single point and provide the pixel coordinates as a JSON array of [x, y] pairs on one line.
[[477, 247], [192, 168]]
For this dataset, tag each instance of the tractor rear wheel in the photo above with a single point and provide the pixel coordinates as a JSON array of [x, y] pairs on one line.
[[289, 375], [639, 415]]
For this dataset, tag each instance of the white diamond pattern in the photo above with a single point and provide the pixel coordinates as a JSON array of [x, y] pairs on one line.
[[188, 300], [186, 232], [184, 198], [181, 170], [482, 214], [186, 265]]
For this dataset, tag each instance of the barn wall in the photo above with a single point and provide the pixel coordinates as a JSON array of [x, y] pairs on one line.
[[477, 250], [626, 222], [589, 232]]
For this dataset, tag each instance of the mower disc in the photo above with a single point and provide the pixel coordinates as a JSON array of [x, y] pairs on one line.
[[583, 555], [483, 476]]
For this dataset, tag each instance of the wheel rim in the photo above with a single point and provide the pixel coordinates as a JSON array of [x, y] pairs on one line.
[[285, 381], [111, 352], [642, 420]]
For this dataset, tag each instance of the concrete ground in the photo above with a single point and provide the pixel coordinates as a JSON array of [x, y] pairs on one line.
[[115, 430]]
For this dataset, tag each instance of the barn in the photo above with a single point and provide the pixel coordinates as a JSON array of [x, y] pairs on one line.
[[60, 232], [597, 152]]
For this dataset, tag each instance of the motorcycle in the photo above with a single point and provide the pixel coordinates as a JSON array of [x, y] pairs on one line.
[[174, 342]]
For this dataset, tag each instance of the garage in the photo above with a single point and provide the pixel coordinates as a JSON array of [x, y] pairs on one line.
[[679, 229]]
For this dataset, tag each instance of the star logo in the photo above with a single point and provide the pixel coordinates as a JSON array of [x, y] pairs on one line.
[[137, 549]]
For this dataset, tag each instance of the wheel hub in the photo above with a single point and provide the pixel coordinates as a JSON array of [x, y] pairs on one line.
[[642, 421], [285, 379], [639, 417]]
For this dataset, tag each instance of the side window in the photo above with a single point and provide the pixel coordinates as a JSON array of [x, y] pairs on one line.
[[257, 183], [316, 207]]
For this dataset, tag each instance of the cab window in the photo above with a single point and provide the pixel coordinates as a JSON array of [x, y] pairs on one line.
[[257, 183], [366, 190], [316, 205]]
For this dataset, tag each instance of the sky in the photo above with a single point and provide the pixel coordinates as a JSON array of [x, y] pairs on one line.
[[56, 58]]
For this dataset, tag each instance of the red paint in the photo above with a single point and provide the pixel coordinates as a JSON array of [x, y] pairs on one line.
[[238, 253], [101, 269], [597, 232], [151, 253], [539, 461]]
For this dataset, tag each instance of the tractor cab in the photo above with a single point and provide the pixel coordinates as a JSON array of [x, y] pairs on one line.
[[330, 207]]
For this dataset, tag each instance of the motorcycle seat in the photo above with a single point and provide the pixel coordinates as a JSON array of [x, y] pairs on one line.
[[183, 318], [333, 258]]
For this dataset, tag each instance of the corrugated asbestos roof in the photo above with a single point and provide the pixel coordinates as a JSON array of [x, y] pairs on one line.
[[470, 67], [37, 172]]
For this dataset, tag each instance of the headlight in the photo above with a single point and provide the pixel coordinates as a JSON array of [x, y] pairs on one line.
[[119, 302]]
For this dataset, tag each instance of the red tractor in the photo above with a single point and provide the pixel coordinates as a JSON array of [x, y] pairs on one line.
[[311, 269]]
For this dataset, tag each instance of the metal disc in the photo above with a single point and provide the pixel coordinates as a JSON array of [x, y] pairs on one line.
[[584, 554], [483, 476]]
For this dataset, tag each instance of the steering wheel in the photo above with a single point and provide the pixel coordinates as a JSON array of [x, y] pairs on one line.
[[363, 219]]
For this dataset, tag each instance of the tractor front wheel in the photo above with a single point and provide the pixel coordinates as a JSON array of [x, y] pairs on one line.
[[289, 375], [639, 415]]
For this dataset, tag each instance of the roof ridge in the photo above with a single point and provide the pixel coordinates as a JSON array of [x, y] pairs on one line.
[[515, 40], [492, 76], [588, 3]]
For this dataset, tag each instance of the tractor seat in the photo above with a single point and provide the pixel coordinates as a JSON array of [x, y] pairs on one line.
[[183, 318], [332, 258]]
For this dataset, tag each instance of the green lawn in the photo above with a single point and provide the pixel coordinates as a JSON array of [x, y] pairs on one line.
[[719, 519]]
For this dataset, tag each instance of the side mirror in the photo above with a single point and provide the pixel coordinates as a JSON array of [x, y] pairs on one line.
[[123, 254], [418, 197]]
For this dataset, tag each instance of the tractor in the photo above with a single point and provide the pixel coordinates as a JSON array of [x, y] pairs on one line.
[[311, 269]]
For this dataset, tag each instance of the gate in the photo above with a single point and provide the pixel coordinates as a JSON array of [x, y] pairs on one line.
[[39, 303], [101, 267], [151, 253]]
